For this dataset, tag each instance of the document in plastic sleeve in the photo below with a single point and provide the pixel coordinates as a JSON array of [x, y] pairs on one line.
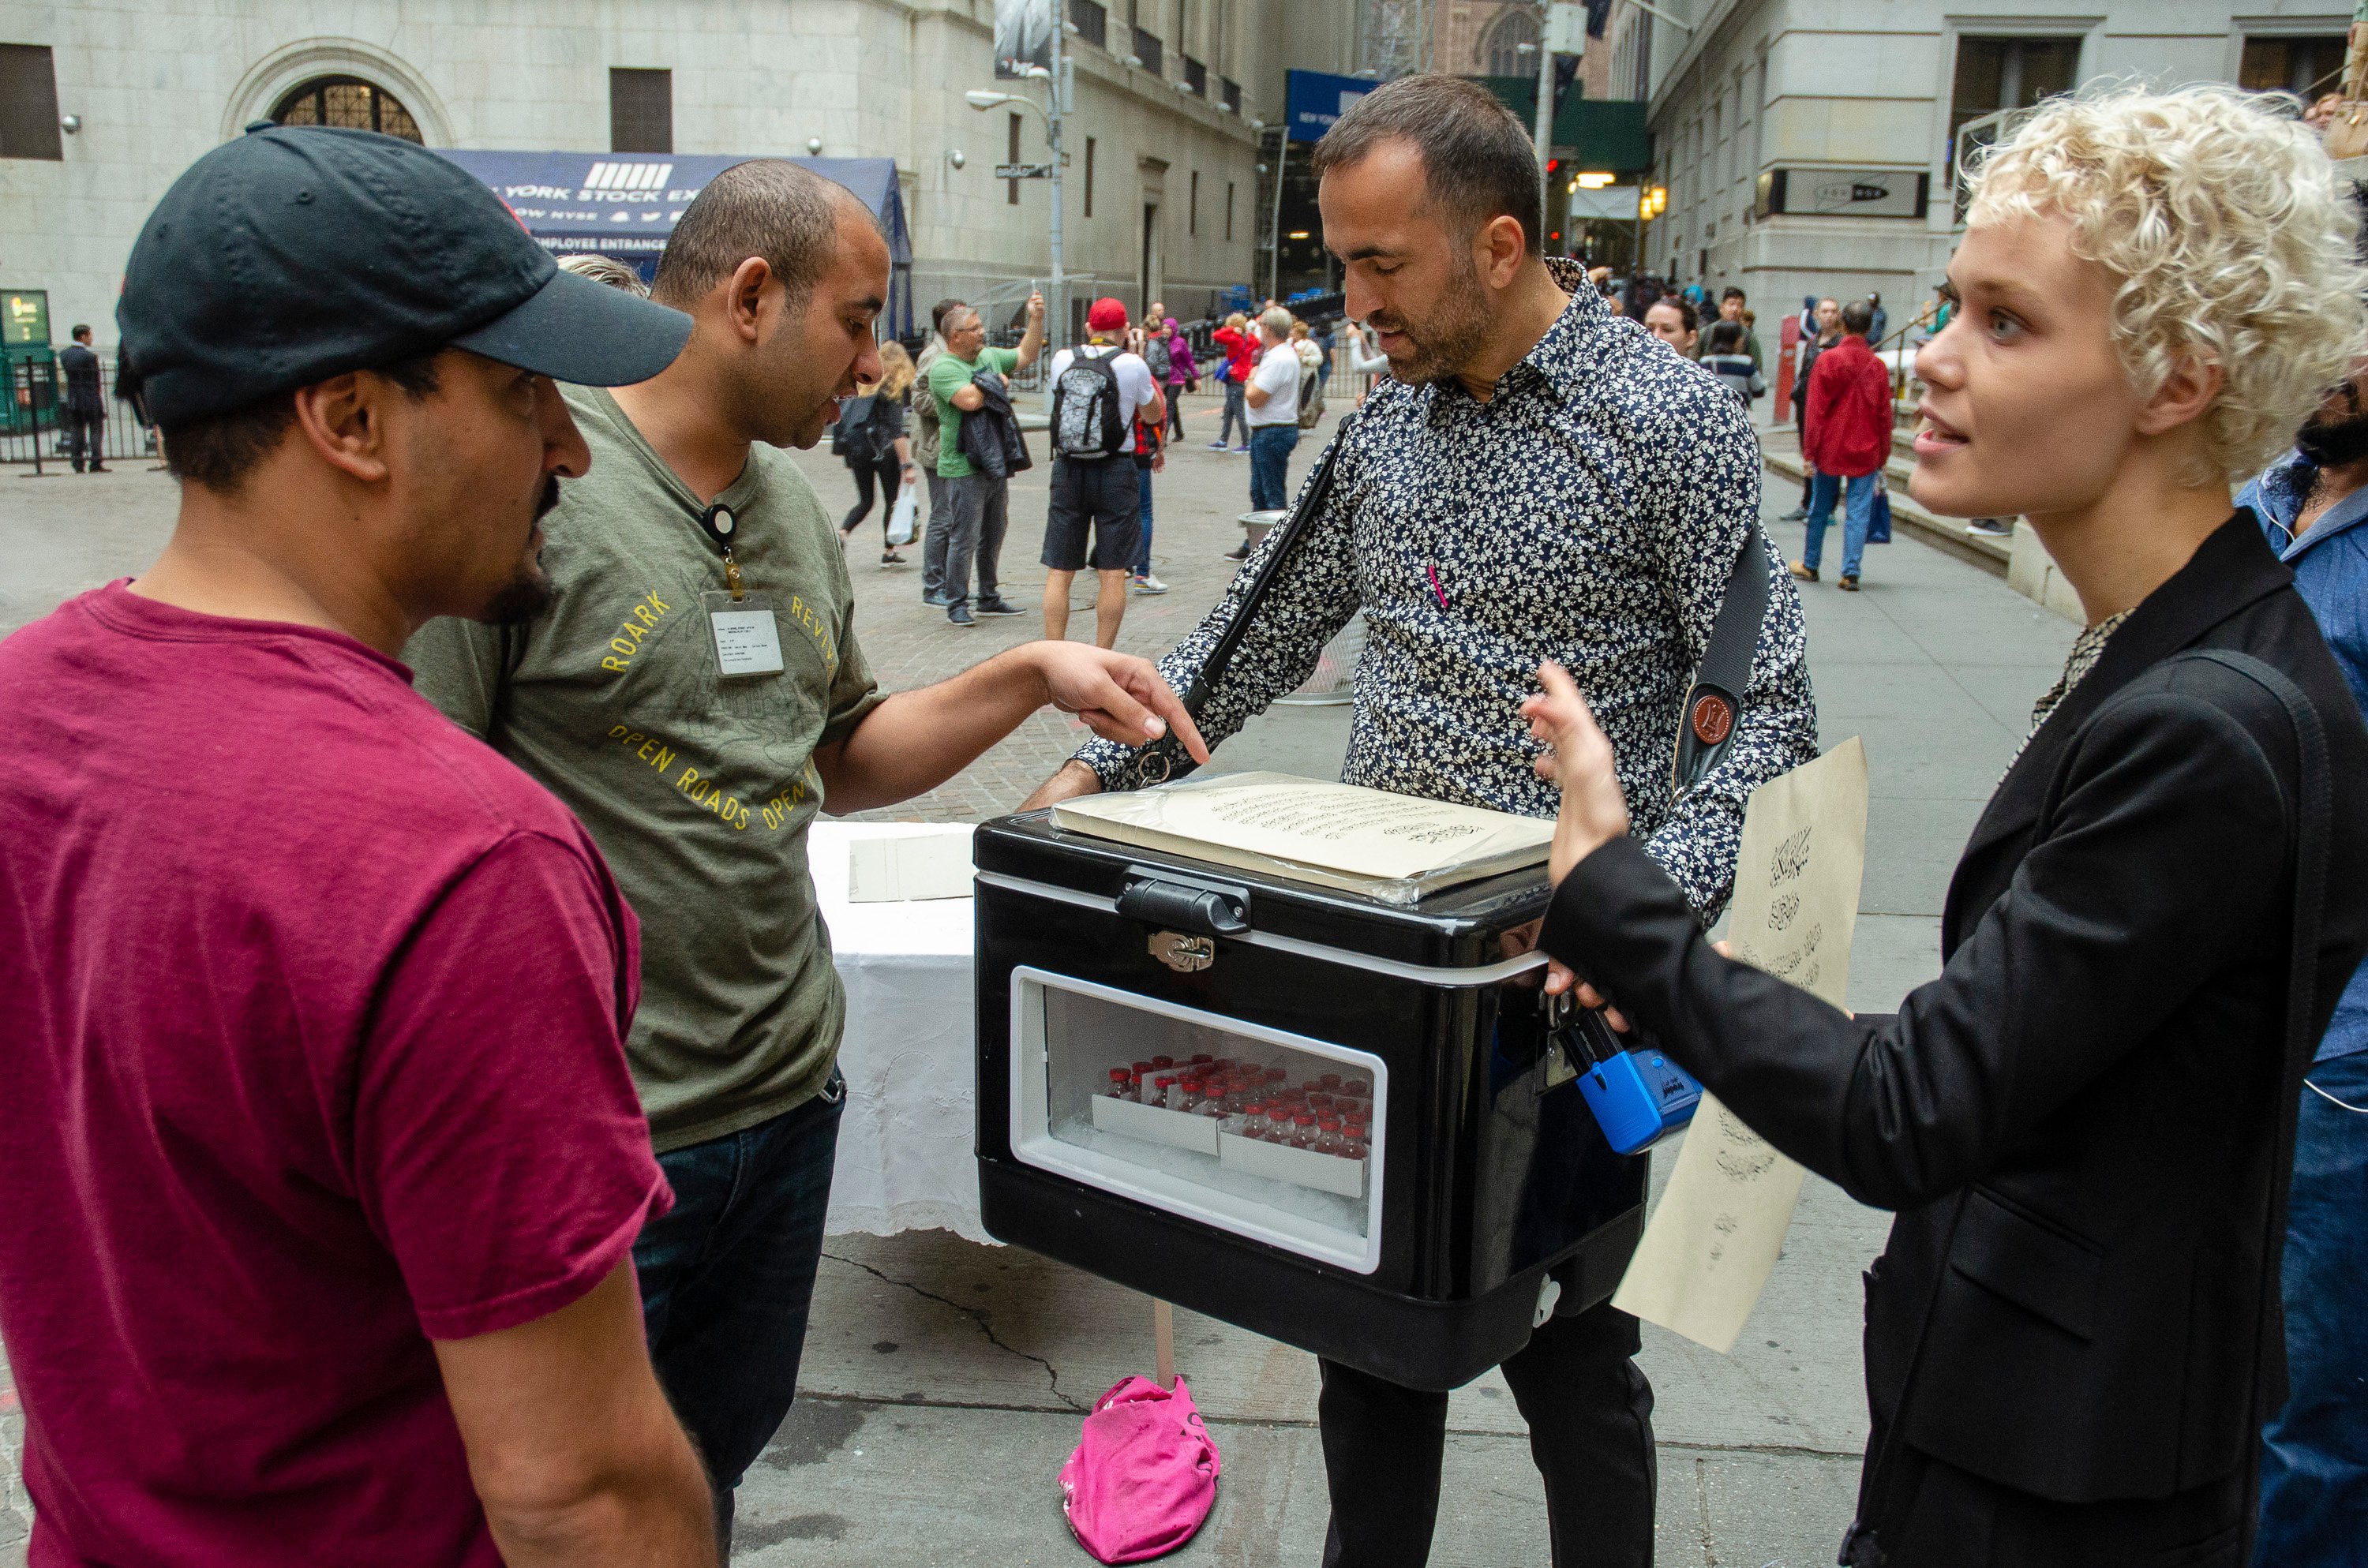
[[748, 637], [1713, 1241]]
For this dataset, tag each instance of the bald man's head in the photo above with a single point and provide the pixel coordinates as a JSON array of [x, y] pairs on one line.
[[766, 207]]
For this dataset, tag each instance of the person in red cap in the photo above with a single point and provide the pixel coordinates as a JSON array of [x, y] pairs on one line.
[[1096, 391]]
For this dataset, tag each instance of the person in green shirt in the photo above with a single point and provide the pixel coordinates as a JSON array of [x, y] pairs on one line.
[[978, 508], [696, 693]]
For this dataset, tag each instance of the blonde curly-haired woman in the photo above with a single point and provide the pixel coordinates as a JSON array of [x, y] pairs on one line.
[[2085, 1123]]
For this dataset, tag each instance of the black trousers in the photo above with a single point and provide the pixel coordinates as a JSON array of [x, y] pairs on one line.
[[1950, 1518], [1591, 1415], [85, 437], [889, 474]]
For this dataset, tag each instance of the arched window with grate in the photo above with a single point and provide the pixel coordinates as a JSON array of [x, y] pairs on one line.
[[348, 102], [1502, 46]]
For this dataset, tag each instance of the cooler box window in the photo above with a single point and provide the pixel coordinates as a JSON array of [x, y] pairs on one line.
[[1253, 1131]]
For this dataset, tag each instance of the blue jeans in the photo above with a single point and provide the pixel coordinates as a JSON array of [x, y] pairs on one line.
[[1270, 447], [1142, 550], [2315, 1451], [727, 1275], [1857, 514]]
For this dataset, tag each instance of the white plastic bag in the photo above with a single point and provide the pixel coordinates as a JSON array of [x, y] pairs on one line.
[[900, 520]]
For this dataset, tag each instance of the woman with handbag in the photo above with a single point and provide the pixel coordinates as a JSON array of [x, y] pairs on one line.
[[873, 438], [2085, 1124]]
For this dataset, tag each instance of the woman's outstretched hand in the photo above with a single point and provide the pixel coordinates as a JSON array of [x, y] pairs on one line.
[[1578, 758], [1593, 810]]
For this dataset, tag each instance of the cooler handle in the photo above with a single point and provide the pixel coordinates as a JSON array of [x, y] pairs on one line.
[[1186, 906]]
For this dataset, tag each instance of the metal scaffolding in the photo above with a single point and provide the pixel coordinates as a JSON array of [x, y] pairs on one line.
[[1395, 38]]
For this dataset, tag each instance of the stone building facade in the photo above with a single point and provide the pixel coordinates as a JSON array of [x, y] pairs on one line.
[[1162, 175], [1776, 121]]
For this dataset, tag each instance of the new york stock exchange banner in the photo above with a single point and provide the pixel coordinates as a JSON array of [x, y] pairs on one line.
[[625, 204]]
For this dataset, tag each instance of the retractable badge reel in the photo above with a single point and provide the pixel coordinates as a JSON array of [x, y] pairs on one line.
[[748, 637]]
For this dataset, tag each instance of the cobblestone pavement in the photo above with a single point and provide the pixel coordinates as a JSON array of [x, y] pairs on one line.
[[1196, 502]]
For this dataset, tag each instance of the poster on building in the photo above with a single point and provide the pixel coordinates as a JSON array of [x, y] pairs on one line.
[[1023, 36]]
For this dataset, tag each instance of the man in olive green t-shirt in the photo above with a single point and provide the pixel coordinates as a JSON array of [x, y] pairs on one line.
[[695, 693], [978, 508]]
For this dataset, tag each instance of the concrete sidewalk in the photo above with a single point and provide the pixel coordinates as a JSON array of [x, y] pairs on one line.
[[944, 1381]]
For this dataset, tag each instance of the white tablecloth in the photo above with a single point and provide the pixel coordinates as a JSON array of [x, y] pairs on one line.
[[907, 1145]]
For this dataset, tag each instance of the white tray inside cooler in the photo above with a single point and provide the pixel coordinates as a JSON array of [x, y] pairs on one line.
[[1304, 1167], [1157, 1123]]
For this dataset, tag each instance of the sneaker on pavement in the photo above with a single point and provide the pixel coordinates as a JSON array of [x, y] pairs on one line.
[[1217, 446], [959, 613], [1847, 584], [1242, 553], [998, 605], [936, 600], [1149, 584], [1806, 573], [1990, 527], [1798, 514], [1245, 448]]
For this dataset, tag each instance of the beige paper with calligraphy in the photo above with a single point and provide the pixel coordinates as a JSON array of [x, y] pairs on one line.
[[1713, 1240]]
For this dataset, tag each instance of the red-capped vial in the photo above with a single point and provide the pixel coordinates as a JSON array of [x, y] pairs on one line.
[[1163, 1061], [1331, 1080], [1203, 1060], [1163, 1091], [1328, 1140], [1318, 1100], [1119, 1087], [1303, 1132], [1359, 1088], [1275, 1074], [1226, 1063], [1353, 1134]]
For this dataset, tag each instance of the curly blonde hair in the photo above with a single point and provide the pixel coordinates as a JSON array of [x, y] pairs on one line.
[[2219, 216]]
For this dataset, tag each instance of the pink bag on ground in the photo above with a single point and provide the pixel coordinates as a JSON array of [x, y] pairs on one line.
[[1144, 1474]]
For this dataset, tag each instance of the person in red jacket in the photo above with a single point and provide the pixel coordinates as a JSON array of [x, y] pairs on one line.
[[1846, 433], [1241, 347]]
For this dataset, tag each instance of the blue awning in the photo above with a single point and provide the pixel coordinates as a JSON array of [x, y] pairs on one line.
[[625, 204]]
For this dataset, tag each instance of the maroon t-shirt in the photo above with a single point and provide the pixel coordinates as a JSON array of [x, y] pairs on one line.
[[314, 1009]]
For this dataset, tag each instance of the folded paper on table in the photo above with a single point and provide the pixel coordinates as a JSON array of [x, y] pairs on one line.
[[1389, 847], [1714, 1238], [897, 870]]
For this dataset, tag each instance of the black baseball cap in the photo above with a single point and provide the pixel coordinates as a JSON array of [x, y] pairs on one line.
[[295, 253]]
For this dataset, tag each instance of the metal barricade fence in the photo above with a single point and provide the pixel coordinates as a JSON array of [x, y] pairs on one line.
[[33, 427]]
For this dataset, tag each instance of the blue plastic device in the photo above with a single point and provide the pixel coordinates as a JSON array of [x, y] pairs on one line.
[[1639, 1096]]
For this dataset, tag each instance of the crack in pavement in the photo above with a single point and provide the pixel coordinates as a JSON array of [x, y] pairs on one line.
[[1052, 1374]]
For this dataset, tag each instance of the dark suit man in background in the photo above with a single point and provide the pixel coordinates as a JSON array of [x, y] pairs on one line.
[[86, 407]]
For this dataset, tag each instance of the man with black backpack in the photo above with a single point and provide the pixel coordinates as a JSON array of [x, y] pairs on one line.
[[1096, 391]]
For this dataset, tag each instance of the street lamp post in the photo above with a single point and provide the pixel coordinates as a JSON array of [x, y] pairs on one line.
[[1057, 81]]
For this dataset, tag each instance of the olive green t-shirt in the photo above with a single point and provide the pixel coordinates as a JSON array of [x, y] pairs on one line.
[[698, 789], [948, 376]]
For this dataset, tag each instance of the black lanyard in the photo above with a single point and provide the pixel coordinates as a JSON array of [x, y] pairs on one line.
[[717, 522]]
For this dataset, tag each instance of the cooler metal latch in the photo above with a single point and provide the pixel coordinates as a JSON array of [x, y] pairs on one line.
[[1185, 955]]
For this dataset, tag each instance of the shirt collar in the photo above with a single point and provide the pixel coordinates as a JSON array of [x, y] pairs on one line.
[[2278, 496]]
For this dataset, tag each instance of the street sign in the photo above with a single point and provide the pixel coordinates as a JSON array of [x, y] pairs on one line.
[[1844, 193], [1023, 171]]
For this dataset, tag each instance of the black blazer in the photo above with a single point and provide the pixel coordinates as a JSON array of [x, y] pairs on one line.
[[2075, 1120]]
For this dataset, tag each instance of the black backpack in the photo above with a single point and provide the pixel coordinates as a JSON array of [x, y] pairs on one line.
[[853, 436], [1085, 423]]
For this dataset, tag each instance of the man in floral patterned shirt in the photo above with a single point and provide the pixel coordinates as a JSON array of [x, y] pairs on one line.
[[1538, 479]]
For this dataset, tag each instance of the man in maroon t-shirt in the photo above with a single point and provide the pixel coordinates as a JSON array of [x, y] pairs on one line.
[[320, 1158]]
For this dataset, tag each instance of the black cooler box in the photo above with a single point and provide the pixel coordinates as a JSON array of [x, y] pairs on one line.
[[1418, 1251]]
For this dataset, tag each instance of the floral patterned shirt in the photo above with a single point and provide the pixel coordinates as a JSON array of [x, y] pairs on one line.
[[1590, 512]]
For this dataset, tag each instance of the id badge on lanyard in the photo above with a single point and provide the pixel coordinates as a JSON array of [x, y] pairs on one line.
[[747, 637]]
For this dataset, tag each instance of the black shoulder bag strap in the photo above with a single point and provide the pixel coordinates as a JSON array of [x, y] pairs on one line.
[[1715, 701], [1158, 767], [2314, 826]]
